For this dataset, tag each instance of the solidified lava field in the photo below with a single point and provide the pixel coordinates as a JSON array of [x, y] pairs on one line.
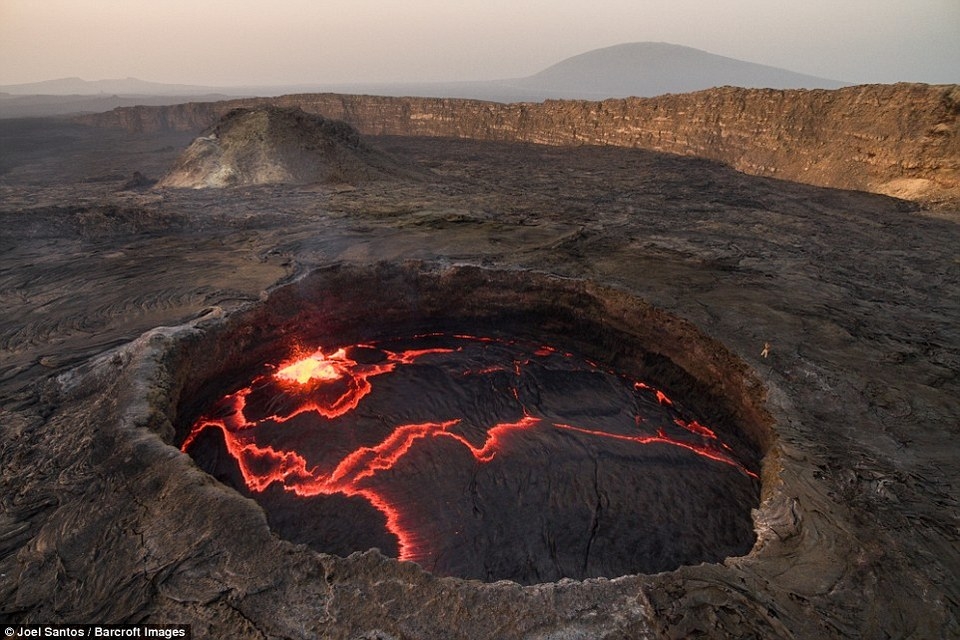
[[813, 331], [483, 457]]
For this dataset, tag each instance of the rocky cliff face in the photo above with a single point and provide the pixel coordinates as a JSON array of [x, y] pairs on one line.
[[901, 140]]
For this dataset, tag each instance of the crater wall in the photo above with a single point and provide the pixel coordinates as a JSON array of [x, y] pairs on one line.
[[901, 140]]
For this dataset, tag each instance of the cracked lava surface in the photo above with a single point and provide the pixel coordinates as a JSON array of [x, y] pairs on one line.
[[485, 457]]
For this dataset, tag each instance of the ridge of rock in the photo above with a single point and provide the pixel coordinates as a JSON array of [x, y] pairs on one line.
[[901, 140]]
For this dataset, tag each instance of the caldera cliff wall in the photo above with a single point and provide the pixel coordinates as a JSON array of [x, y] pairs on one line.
[[901, 140]]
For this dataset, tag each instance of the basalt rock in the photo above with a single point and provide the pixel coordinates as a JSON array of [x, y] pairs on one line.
[[901, 140]]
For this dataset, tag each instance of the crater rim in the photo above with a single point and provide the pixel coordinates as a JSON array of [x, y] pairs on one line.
[[611, 325]]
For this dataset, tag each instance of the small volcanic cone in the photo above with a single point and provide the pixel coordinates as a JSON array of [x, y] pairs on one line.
[[272, 145]]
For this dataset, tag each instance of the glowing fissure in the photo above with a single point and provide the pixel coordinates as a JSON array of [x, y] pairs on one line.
[[662, 438], [495, 437], [332, 385]]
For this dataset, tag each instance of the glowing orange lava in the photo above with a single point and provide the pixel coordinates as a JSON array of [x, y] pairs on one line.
[[325, 387], [316, 366]]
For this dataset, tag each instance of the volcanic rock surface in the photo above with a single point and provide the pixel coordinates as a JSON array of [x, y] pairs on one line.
[[901, 140], [125, 312], [273, 145]]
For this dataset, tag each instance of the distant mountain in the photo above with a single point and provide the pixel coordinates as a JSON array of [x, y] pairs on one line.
[[649, 69], [122, 86], [641, 69]]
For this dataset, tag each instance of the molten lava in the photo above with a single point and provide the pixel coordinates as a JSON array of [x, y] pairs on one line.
[[316, 426], [316, 366]]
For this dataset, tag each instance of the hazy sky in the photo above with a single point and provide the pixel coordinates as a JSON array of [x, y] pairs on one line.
[[231, 42]]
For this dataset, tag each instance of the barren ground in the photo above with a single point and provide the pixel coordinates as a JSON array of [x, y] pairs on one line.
[[858, 296]]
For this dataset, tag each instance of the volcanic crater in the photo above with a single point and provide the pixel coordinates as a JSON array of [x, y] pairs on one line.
[[461, 370], [486, 425]]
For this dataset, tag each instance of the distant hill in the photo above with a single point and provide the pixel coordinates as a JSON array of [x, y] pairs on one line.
[[120, 87], [639, 69], [647, 69]]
